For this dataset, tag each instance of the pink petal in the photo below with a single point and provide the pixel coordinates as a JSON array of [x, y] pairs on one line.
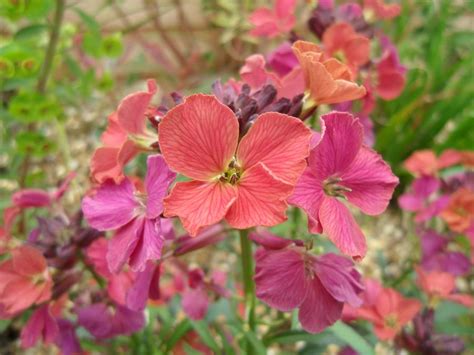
[[209, 236], [149, 246], [410, 202], [131, 111], [123, 243], [260, 201], [198, 138], [96, 256], [28, 261], [137, 295], [31, 198], [254, 72], [199, 204], [371, 182], [278, 141], [104, 165], [111, 207], [308, 195], [280, 278], [269, 240], [465, 300], [341, 228], [341, 139], [195, 303], [114, 135], [40, 325], [319, 309], [284, 8], [157, 181], [390, 84], [339, 277], [118, 285]]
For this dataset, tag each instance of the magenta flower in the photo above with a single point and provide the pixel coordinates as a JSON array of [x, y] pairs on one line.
[[41, 325], [341, 167], [282, 59], [135, 216], [106, 321], [291, 277]]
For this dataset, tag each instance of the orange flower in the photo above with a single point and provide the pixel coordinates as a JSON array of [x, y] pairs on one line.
[[328, 81], [24, 280], [340, 40], [459, 214]]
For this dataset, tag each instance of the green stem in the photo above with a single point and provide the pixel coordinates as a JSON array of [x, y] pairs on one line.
[[247, 272], [295, 222]]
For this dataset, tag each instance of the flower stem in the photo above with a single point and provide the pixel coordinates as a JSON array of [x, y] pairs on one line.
[[247, 273]]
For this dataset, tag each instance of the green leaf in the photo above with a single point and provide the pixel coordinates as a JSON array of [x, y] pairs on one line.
[[349, 336], [179, 331], [202, 328], [31, 32]]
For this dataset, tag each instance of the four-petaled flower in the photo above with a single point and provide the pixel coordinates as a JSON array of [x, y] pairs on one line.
[[245, 182]]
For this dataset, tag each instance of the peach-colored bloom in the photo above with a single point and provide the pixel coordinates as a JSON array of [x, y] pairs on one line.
[[459, 214], [328, 81]]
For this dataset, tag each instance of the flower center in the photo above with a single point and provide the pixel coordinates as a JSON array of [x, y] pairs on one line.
[[331, 187], [391, 321], [141, 198], [232, 174]]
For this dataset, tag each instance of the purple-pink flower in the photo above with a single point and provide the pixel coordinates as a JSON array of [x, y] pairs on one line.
[[341, 168], [134, 214], [318, 286]]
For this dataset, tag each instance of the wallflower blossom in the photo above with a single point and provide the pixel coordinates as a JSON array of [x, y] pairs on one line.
[[459, 213], [291, 277], [282, 59], [134, 214], [25, 274], [425, 162], [340, 166], [273, 22], [257, 76], [328, 81], [245, 182], [378, 9], [389, 313], [342, 42], [125, 136], [437, 257], [441, 286]]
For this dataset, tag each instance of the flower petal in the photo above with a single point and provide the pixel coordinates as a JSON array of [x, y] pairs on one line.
[[260, 201], [341, 228], [280, 142], [198, 138], [371, 182], [341, 140], [131, 111], [157, 181], [199, 204], [280, 278], [319, 309], [104, 165], [149, 245], [123, 243], [111, 207], [195, 303], [308, 195]]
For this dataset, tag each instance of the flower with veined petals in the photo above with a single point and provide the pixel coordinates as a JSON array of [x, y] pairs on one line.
[[441, 285], [340, 166], [389, 313], [125, 136], [287, 276], [25, 274], [135, 216], [273, 22], [459, 214], [328, 81], [340, 40], [245, 182]]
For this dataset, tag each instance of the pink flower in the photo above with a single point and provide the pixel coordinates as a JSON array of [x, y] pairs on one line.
[[380, 10], [256, 76], [41, 325], [425, 162], [106, 321], [318, 286], [273, 22], [340, 166], [282, 59], [25, 274], [135, 216], [389, 312], [441, 285], [125, 136], [245, 182]]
